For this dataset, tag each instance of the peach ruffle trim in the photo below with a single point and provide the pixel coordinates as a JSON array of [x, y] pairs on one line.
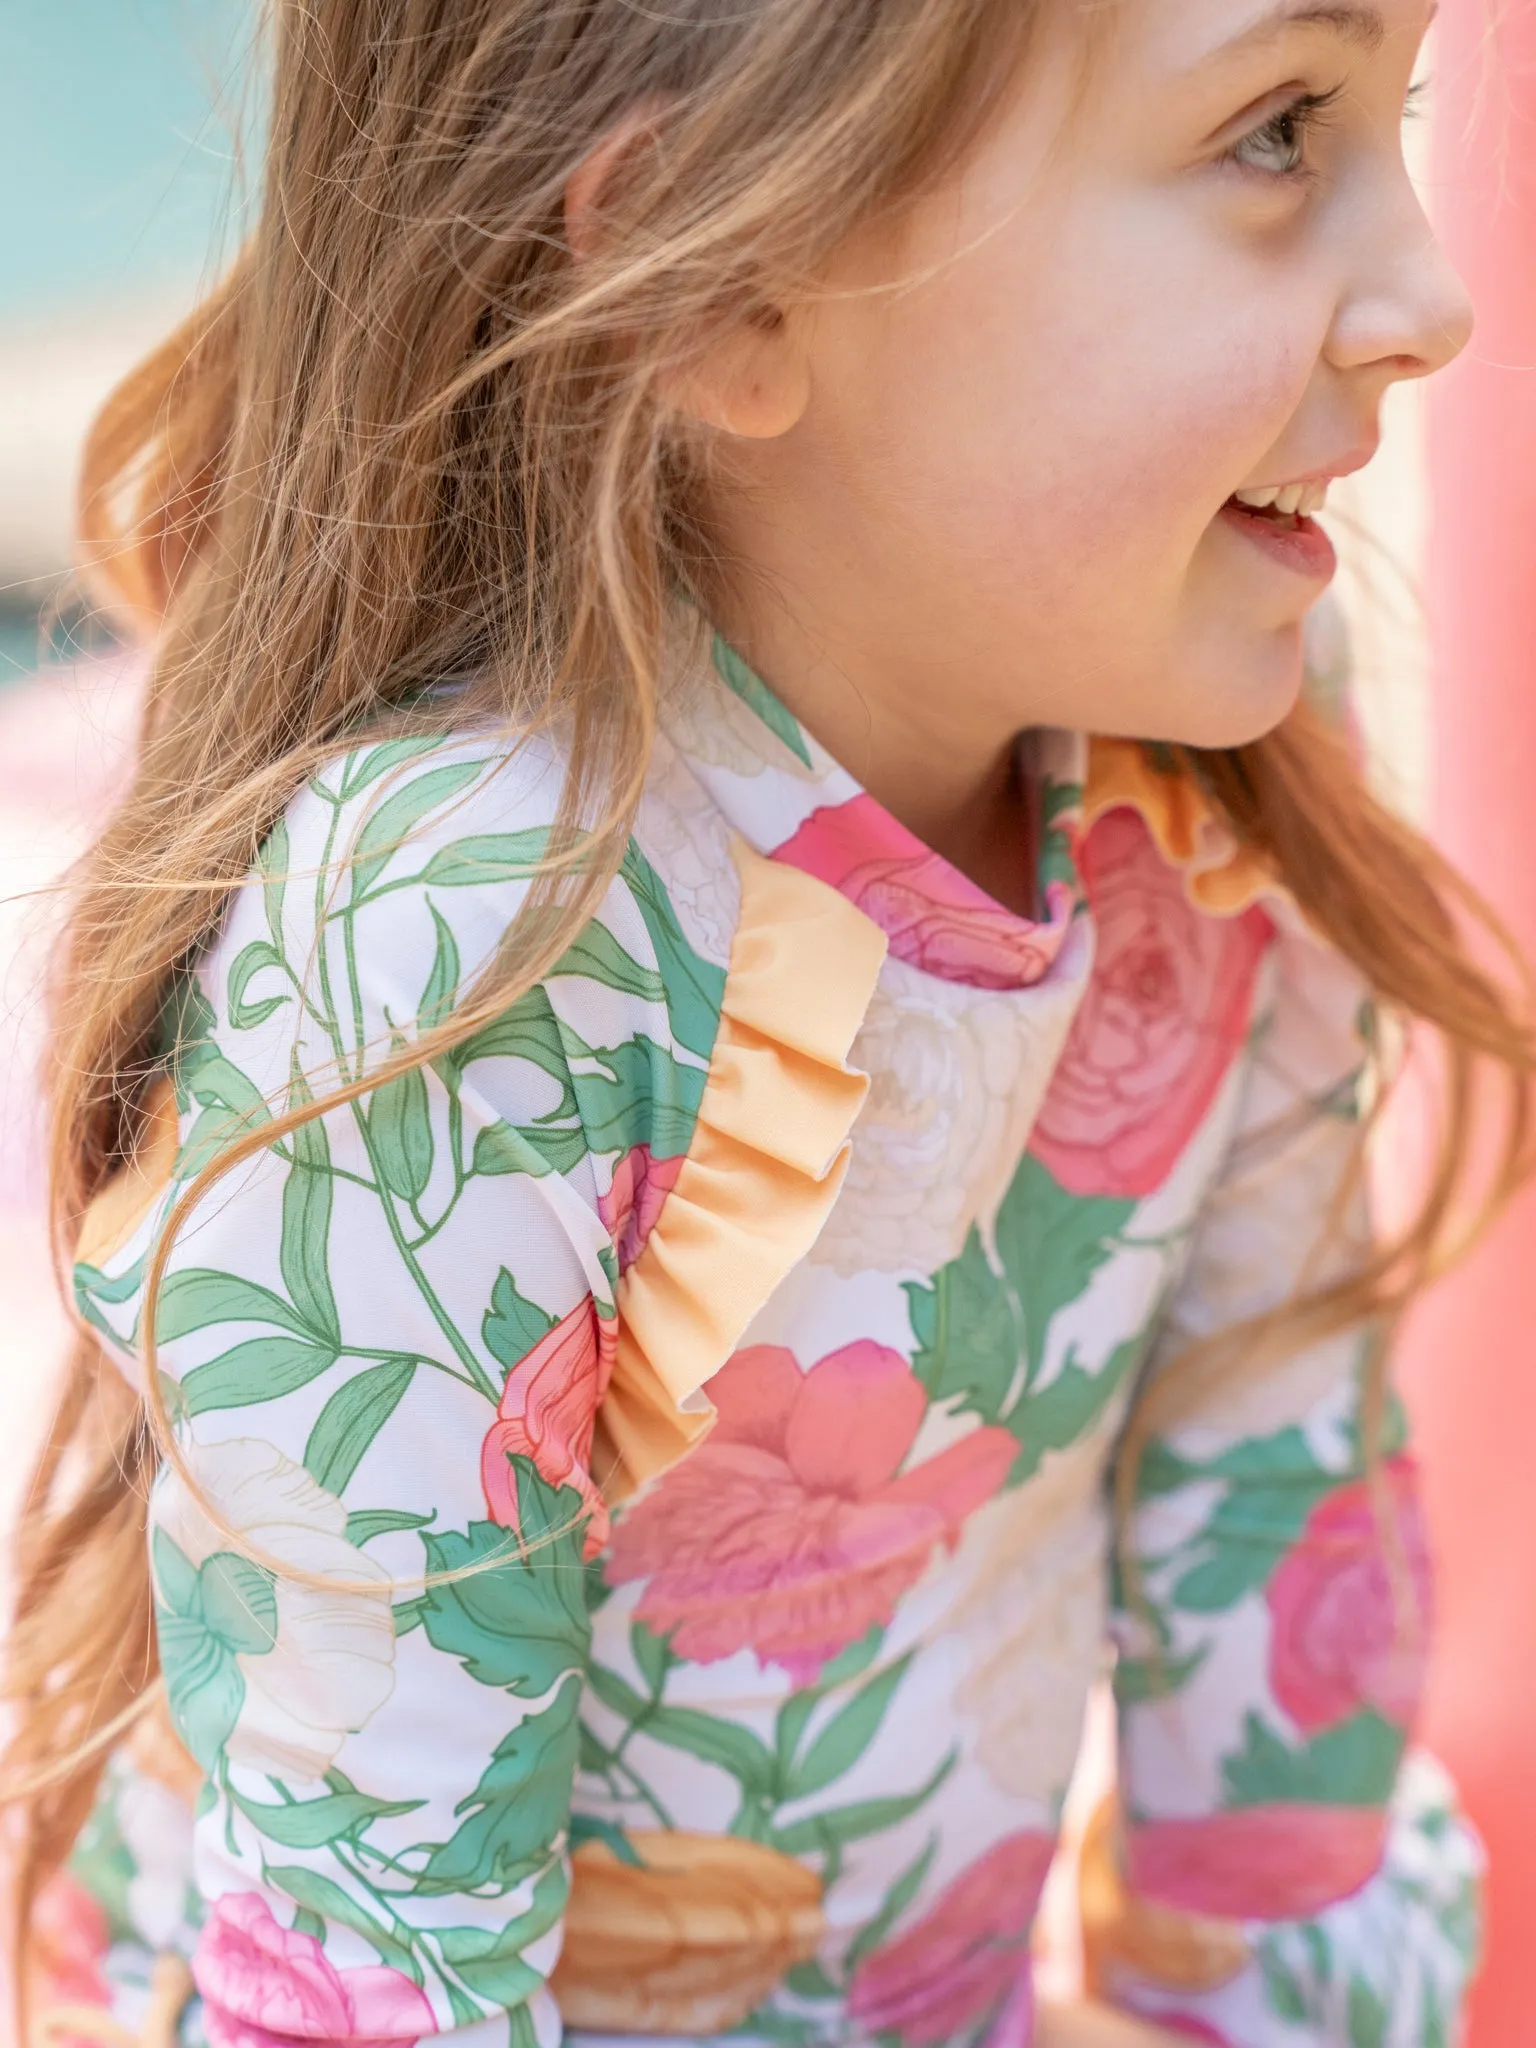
[[1221, 876], [769, 1153]]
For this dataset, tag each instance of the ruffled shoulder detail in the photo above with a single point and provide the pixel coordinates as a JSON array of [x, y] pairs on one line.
[[769, 1152], [1221, 876]]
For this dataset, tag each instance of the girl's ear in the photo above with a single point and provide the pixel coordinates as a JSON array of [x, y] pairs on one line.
[[752, 378]]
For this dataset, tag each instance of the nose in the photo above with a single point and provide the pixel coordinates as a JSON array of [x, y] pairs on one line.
[[1407, 313]]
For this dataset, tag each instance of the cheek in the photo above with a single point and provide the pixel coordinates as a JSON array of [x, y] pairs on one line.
[[1097, 382]]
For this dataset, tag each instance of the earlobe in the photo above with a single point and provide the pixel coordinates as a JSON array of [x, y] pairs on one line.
[[753, 382]]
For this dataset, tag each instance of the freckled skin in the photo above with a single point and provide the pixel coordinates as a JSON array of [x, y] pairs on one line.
[[992, 500]]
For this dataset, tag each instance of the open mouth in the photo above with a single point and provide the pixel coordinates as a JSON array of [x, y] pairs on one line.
[[1281, 522]]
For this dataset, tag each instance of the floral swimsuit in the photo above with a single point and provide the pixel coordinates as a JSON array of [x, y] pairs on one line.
[[762, 1297]]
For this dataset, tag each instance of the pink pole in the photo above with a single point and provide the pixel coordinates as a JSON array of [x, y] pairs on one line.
[[1470, 1358]]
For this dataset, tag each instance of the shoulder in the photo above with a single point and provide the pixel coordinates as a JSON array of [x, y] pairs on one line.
[[406, 864]]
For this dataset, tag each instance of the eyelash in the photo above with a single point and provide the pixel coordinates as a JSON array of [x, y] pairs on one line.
[[1287, 129], [1304, 115]]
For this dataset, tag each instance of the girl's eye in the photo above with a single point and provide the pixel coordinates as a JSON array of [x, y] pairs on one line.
[[1277, 148]]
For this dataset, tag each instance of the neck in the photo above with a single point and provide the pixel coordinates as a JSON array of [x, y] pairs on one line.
[[906, 741]]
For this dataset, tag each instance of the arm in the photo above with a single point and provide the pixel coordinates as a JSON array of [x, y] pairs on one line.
[[1275, 1876], [389, 1335]]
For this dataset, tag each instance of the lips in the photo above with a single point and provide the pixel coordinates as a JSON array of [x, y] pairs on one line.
[[1297, 544]]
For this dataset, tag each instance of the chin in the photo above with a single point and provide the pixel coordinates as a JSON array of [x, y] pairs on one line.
[[1244, 699]]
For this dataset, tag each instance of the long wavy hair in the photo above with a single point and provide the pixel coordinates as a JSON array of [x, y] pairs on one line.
[[408, 438]]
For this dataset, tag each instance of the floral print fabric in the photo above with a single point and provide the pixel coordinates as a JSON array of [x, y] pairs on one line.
[[775, 1745]]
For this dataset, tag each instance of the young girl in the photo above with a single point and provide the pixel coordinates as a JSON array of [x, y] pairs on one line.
[[684, 1196]]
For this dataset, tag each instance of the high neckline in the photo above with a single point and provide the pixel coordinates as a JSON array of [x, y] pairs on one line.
[[792, 801]]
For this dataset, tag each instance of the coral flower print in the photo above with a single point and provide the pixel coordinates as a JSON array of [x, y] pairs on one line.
[[1278, 1862], [268, 1986], [789, 1532], [1342, 1638], [935, 917], [1164, 1017], [968, 1956], [641, 1184], [547, 1413], [70, 1937]]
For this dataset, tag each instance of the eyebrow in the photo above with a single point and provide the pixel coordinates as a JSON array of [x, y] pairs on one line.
[[1354, 23]]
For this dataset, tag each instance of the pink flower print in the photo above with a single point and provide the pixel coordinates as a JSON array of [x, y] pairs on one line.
[[788, 1531], [936, 918], [266, 1986], [1164, 1015], [70, 1939], [629, 1210], [548, 1413], [968, 1956], [1279, 1862], [1343, 1637]]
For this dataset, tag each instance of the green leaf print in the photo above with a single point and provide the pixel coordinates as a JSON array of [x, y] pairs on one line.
[[526, 1030], [832, 1831], [487, 857], [93, 1292], [640, 1094], [229, 1102], [272, 865], [1354, 1764], [734, 672], [363, 768], [524, 1623], [400, 1127], [730, 1748], [1051, 1243], [367, 1523], [597, 954], [1058, 1415], [387, 829], [315, 1823], [1283, 1992], [326, 1900], [203, 1684], [518, 1810], [490, 1960], [252, 960], [442, 989], [513, 1324], [967, 1332], [694, 987], [500, 1149], [653, 1655], [896, 1901], [261, 1369], [976, 1324], [198, 1296], [848, 1734], [1368, 2016], [351, 1419], [304, 1248]]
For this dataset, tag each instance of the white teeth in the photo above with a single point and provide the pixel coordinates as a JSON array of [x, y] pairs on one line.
[[1286, 498]]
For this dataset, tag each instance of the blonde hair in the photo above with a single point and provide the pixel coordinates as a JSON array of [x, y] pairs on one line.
[[410, 439]]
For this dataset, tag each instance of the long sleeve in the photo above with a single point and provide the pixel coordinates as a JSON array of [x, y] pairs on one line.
[[1278, 1876], [384, 1342]]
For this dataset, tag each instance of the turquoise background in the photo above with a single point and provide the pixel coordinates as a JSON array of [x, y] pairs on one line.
[[120, 169], [117, 120]]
